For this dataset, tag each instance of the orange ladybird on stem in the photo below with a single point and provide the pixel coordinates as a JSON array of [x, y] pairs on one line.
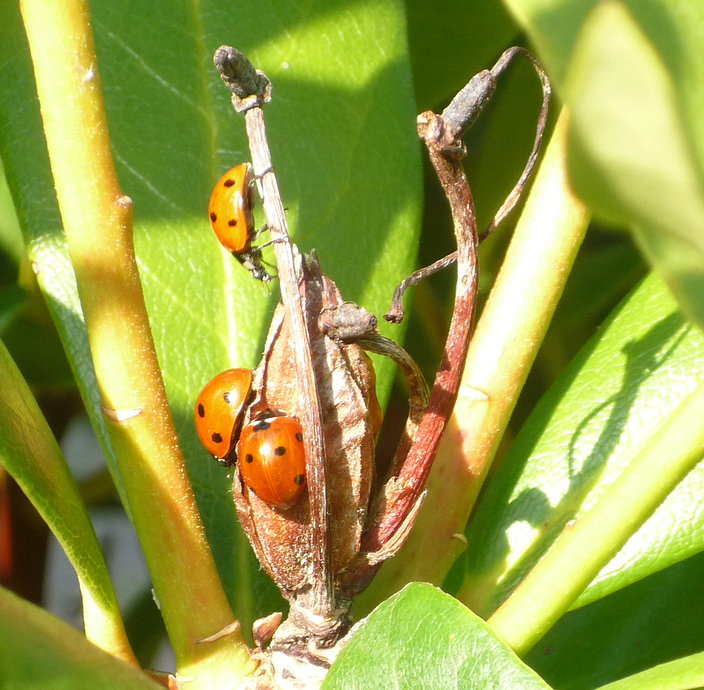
[[231, 212]]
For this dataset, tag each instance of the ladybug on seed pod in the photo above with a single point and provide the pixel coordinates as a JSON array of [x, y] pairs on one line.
[[285, 539], [270, 449], [231, 212], [272, 459], [219, 413]]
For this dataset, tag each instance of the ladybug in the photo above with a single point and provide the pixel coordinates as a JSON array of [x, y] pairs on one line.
[[231, 215], [219, 412], [272, 460]]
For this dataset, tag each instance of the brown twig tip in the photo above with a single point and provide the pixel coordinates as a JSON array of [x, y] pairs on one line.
[[443, 133], [468, 104], [396, 312], [250, 87]]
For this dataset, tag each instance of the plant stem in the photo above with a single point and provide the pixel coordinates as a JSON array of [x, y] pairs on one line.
[[30, 453], [97, 221], [321, 600], [589, 543], [251, 90], [503, 347]]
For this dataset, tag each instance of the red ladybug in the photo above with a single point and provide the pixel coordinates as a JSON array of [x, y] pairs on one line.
[[219, 412], [231, 215], [272, 460]]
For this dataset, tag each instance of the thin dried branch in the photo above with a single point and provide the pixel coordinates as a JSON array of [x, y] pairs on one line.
[[404, 489], [251, 89], [459, 116]]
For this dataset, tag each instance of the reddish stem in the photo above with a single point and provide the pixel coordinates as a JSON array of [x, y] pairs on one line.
[[412, 470]]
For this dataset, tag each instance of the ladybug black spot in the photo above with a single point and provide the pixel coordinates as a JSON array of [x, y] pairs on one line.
[[280, 450], [262, 425], [249, 458], [299, 479], [213, 216], [201, 410], [226, 397], [229, 182], [217, 438], [299, 436], [232, 222]]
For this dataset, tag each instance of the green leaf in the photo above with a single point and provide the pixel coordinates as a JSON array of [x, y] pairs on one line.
[[680, 674], [448, 47], [342, 130], [41, 651], [634, 158], [632, 77], [635, 630], [424, 638], [603, 410], [12, 299], [32, 341], [11, 244], [29, 452]]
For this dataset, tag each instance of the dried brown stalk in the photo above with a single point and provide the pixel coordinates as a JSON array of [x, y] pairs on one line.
[[459, 115], [251, 90]]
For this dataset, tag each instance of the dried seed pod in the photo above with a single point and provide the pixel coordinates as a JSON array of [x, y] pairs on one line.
[[351, 419]]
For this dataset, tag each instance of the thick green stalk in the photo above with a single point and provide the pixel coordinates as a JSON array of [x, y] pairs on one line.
[[589, 543], [97, 221]]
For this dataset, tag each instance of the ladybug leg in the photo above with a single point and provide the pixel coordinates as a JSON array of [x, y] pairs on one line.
[[255, 181], [264, 228], [259, 247], [252, 261], [270, 169], [267, 244], [256, 178]]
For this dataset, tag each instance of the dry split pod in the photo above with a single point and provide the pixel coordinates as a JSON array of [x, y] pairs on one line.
[[351, 418]]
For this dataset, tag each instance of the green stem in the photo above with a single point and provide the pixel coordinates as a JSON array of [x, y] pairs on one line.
[[29, 452], [516, 317], [588, 544], [97, 221]]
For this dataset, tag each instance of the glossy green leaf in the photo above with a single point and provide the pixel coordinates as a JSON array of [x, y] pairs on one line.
[[11, 244], [41, 651], [632, 75], [12, 299], [639, 163], [449, 46], [680, 674], [635, 630], [29, 452], [423, 638], [601, 412], [342, 132]]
